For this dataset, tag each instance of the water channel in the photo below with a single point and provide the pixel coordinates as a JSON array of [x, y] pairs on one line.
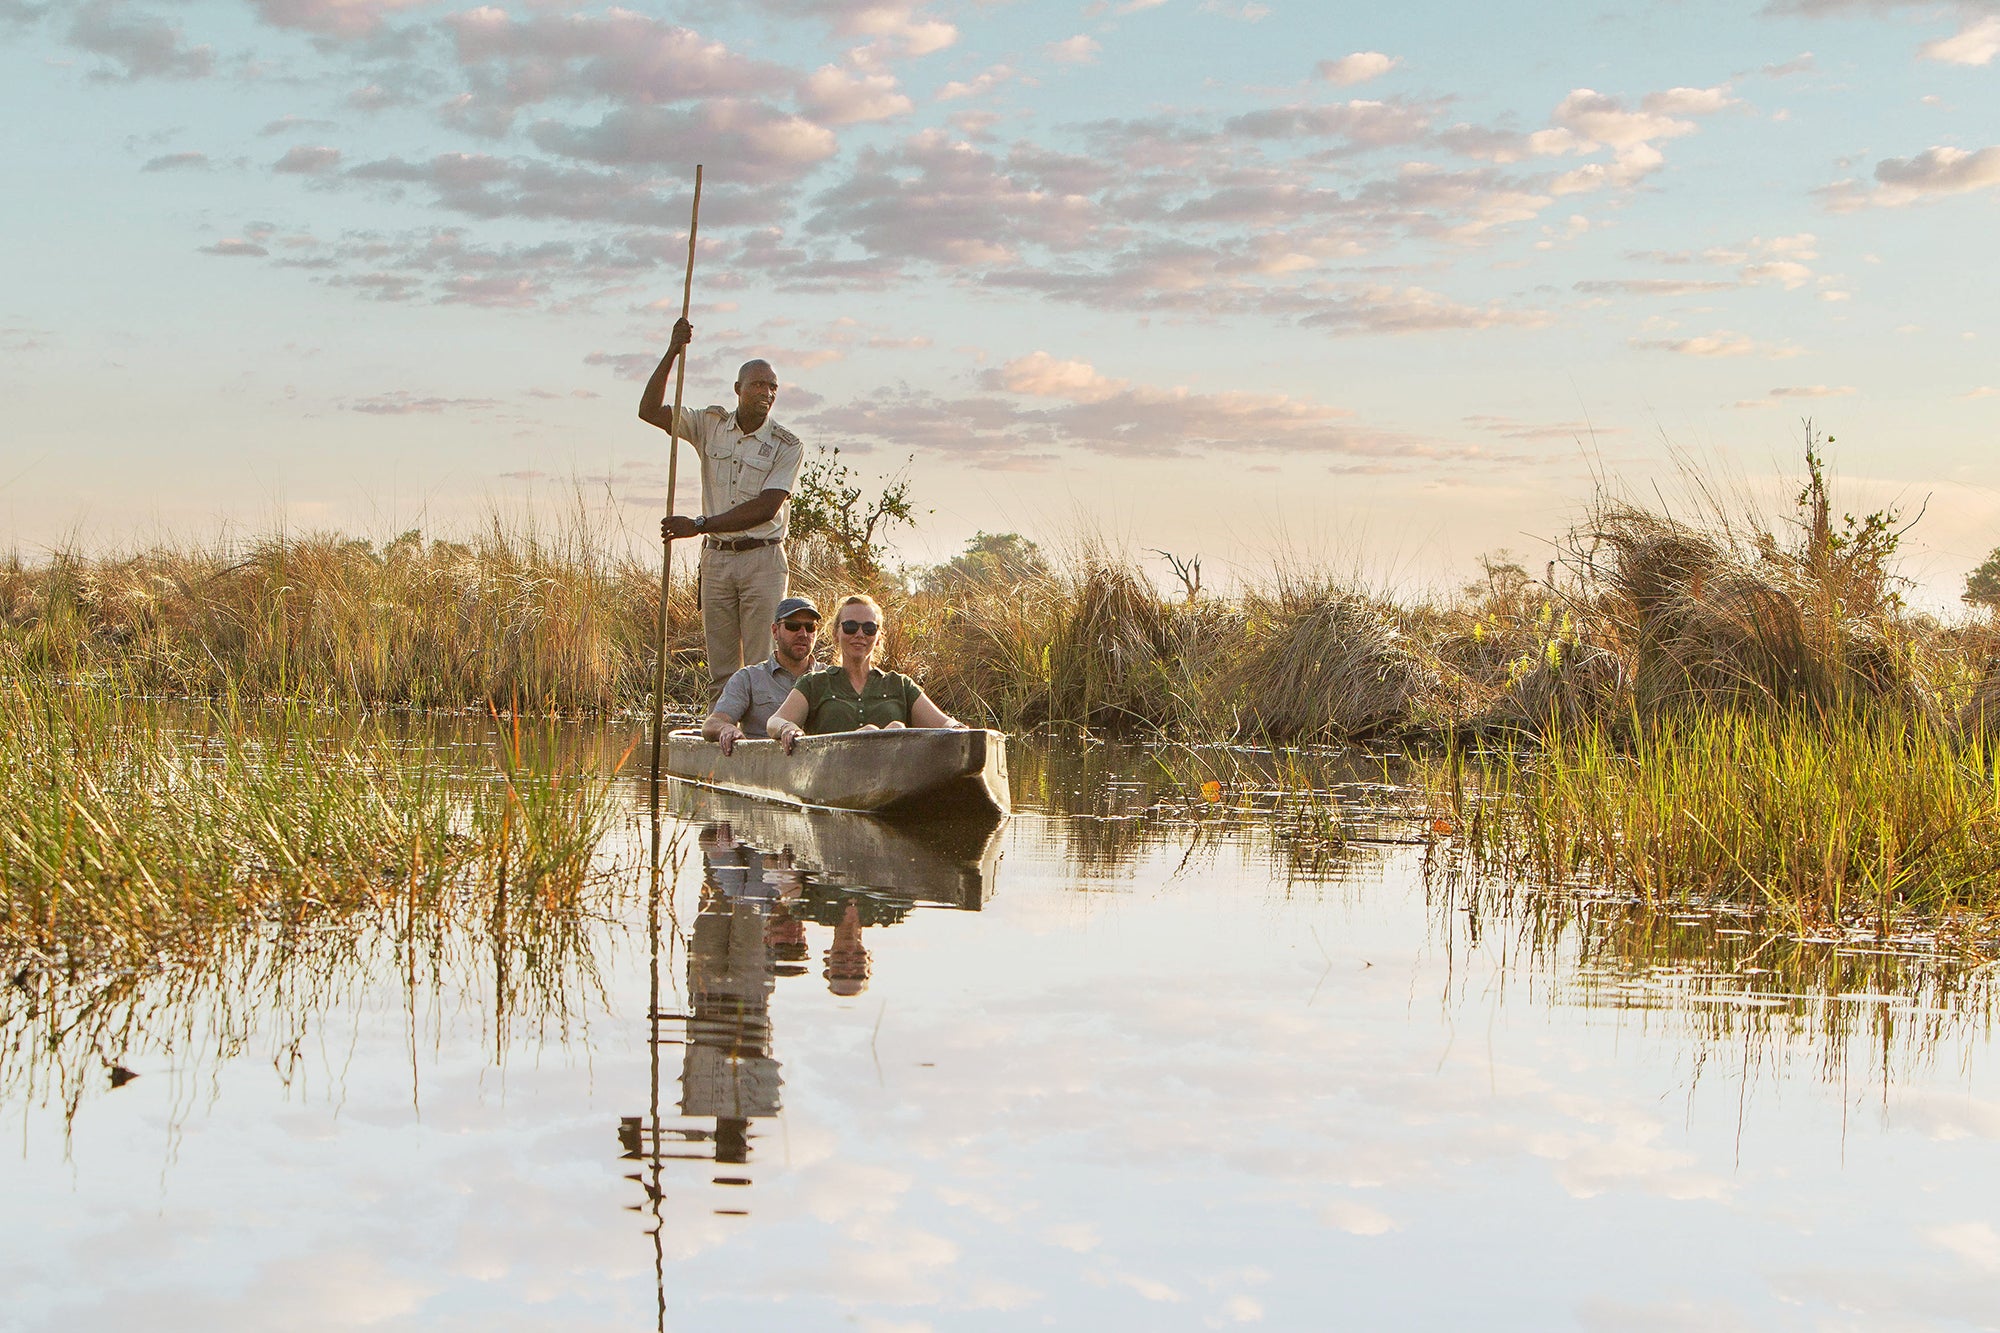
[[1142, 1056]]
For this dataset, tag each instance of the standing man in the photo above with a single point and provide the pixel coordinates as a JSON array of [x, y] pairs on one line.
[[755, 692], [749, 465]]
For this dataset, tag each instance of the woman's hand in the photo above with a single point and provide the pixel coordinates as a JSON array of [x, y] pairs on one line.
[[786, 733]]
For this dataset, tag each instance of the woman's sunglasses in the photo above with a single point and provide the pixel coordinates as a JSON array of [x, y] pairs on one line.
[[867, 627]]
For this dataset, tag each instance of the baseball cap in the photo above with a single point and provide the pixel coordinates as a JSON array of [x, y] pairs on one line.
[[793, 606]]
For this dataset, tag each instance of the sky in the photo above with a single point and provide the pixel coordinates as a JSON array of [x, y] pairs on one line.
[[1256, 281]]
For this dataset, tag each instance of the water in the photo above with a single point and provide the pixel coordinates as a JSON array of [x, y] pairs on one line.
[[1130, 1060]]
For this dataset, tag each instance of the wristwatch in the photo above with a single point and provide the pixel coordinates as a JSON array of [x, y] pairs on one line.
[[701, 522]]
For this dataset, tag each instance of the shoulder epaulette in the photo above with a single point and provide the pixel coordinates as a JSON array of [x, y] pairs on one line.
[[785, 437], [716, 412]]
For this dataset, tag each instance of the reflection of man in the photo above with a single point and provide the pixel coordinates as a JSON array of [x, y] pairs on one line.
[[727, 1070], [755, 692], [749, 465]]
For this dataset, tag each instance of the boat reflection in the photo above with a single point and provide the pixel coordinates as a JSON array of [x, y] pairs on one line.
[[767, 874]]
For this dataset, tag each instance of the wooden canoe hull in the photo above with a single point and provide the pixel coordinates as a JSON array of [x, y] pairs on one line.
[[906, 772]]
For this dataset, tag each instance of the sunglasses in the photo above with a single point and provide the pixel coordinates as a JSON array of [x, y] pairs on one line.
[[794, 626], [867, 627]]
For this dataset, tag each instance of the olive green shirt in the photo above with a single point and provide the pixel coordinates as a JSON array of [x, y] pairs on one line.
[[832, 704]]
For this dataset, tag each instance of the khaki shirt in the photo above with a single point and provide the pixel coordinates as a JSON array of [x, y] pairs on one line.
[[736, 467]]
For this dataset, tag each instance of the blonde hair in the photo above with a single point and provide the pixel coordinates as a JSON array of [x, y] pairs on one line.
[[863, 599]]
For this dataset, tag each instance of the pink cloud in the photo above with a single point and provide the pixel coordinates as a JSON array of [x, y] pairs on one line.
[[136, 45]]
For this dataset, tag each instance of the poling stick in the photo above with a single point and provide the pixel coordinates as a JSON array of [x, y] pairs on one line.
[[667, 554]]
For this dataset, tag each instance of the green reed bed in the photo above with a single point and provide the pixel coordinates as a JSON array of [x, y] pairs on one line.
[[127, 826], [1836, 821]]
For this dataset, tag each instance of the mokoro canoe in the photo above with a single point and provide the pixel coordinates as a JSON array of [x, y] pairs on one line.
[[904, 772]]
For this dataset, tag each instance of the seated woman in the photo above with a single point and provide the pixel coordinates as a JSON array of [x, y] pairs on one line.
[[853, 694]]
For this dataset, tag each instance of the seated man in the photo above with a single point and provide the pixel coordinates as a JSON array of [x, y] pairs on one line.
[[754, 692]]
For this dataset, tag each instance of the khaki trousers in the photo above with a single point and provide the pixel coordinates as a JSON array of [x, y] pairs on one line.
[[740, 592]]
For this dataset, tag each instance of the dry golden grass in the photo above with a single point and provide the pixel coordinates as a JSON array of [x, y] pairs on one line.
[[1642, 613]]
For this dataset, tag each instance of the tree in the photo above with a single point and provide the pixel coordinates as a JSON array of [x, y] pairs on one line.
[[1982, 585], [989, 559], [830, 506]]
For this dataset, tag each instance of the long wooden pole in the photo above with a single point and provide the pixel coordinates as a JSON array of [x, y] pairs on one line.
[[667, 542]]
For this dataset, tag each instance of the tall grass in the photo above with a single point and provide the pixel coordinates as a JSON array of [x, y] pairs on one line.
[[1642, 612], [1831, 822], [128, 829]]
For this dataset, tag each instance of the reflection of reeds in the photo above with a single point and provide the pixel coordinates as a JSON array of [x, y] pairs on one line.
[[277, 986], [1739, 975], [126, 832]]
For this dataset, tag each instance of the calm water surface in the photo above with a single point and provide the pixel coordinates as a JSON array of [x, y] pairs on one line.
[[1133, 1059]]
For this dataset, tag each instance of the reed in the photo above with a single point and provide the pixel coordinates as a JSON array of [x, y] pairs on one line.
[[1830, 820], [133, 829]]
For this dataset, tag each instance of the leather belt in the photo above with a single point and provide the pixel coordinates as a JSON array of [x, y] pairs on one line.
[[739, 544]]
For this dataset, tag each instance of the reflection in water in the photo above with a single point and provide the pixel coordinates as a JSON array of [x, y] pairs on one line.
[[1736, 976], [65, 1033], [767, 872]]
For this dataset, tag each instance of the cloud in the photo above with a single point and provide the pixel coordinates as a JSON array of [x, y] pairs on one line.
[[1511, 429], [625, 365], [1656, 286], [293, 124], [1931, 174], [1595, 118], [179, 162], [483, 186], [306, 160], [1813, 391], [1368, 124], [1688, 101], [1081, 49], [402, 402], [236, 247], [628, 58], [330, 18], [836, 96], [1802, 63], [1983, 391], [1040, 403], [1359, 67], [1040, 375], [1716, 345], [937, 198], [899, 23], [760, 144], [978, 85], [137, 46], [1974, 44], [1249, 12]]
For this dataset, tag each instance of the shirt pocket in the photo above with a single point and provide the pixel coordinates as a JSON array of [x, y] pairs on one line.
[[756, 465]]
